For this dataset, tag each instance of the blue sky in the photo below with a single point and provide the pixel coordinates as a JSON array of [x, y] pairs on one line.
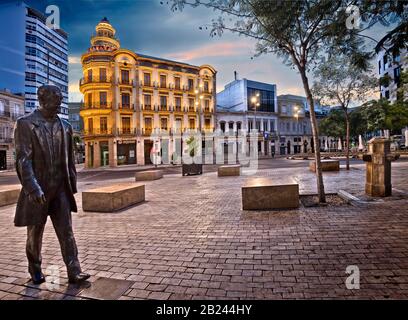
[[148, 27]]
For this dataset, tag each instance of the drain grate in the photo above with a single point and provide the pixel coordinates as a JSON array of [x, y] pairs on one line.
[[106, 289]]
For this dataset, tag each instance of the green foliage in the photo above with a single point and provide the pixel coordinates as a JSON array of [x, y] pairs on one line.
[[358, 124], [381, 114], [385, 81], [334, 124], [338, 81]]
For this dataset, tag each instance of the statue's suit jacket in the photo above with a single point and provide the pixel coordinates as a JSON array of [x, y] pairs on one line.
[[33, 158]]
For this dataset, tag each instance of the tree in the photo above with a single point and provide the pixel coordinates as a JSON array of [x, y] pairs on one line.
[[340, 82], [299, 32], [334, 124], [381, 114]]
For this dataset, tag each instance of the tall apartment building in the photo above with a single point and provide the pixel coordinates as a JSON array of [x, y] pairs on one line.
[[128, 96], [11, 107], [32, 54], [250, 105], [390, 65]]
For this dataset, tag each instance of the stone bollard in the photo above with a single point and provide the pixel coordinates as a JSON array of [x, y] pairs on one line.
[[378, 167]]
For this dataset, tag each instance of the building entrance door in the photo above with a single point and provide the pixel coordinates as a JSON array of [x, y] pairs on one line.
[[104, 154], [148, 146], [3, 160]]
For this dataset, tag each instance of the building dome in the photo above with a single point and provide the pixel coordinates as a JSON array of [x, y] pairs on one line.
[[104, 39]]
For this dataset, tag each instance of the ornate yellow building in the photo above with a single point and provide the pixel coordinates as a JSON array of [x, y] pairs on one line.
[[128, 96]]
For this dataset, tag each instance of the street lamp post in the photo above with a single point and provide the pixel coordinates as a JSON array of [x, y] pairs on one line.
[[297, 124], [255, 102]]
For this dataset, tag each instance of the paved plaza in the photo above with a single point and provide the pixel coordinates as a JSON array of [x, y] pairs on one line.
[[190, 239]]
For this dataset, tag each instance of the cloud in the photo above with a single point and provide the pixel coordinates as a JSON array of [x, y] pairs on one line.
[[221, 49], [74, 59]]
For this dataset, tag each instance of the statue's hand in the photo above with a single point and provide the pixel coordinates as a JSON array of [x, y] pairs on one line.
[[38, 197]]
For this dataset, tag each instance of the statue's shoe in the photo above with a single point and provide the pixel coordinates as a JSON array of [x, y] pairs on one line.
[[80, 277], [38, 277]]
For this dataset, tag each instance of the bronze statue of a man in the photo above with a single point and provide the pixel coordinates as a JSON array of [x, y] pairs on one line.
[[46, 169]]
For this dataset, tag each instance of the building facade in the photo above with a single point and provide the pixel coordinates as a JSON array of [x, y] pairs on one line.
[[295, 134], [33, 54], [11, 107], [390, 65], [130, 96], [75, 119], [250, 105]]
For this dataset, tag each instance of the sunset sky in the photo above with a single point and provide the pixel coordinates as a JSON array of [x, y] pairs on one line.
[[148, 27]]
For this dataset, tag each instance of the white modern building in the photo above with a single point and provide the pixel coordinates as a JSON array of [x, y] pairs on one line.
[[32, 54], [249, 105]]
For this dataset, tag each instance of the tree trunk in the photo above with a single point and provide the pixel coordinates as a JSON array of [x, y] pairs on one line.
[[347, 140], [315, 132]]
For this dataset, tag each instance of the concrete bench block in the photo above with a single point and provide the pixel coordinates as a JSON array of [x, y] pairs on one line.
[[231, 170], [113, 198], [9, 195], [327, 165], [148, 175], [266, 194]]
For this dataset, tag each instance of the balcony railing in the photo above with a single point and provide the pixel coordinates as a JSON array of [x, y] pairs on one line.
[[6, 139], [86, 80], [163, 108], [98, 132], [147, 131], [126, 82], [96, 105], [191, 109], [126, 106], [126, 131], [147, 107], [11, 115]]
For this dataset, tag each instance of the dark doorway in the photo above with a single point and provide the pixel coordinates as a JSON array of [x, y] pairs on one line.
[[104, 147], [148, 146], [288, 146], [3, 160]]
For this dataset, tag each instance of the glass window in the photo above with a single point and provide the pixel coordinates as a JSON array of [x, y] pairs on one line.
[[125, 76], [222, 126], [148, 124], [103, 98], [90, 125], [163, 123], [192, 123], [147, 100], [146, 79], [178, 102], [177, 82], [163, 101], [125, 124], [190, 102], [265, 98], [163, 81], [102, 74], [104, 124], [206, 86], [125, 100], [190, 84]]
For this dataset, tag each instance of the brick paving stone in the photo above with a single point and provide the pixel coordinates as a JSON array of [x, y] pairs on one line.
[[194, 241]]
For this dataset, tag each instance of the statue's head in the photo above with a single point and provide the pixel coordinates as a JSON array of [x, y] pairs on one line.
[[50, 98]]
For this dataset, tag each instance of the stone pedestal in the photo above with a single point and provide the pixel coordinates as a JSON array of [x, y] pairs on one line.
[[231, 170], [113, 198], [148, 175], [378, 168], [9, 195], [265, 194], [327, 165]]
